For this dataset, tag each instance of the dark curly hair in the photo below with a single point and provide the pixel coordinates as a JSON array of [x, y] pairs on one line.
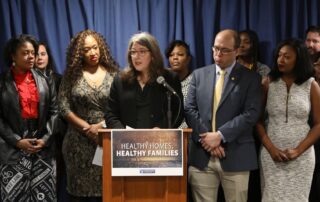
[[75, 53], [175, 43], [156, 66], [254, 49], [15, 43], [313, 28], [302, 69]]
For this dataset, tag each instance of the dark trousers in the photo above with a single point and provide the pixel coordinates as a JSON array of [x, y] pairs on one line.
[[315, 187], [254, 189]]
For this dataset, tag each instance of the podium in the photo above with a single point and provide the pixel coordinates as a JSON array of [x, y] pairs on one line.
[[142, 188]]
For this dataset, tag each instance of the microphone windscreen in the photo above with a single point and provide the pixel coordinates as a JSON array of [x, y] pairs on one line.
[[160, 80]]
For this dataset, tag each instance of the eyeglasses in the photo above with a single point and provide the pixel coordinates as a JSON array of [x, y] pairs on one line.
[[223, 51], [134, 53]]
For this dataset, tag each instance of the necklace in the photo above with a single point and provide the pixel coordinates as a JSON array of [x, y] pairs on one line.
[[27, 80], [94, 79], [91, 81]]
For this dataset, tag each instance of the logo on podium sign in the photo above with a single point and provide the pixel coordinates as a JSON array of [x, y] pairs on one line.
[[147, 152]]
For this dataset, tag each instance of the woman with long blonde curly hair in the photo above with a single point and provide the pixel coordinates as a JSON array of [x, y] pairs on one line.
[[82, 97]]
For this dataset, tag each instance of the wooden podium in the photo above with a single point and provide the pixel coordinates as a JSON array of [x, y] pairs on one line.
[[144, 188]]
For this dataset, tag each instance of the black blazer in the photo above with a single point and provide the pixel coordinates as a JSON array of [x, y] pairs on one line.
[[49, 74], [11, 123], [121, 103]]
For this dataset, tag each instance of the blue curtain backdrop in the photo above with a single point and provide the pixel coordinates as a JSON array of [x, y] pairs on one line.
[[195, 21]]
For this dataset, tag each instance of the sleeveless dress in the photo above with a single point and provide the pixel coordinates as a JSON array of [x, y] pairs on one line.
[[287, 126]]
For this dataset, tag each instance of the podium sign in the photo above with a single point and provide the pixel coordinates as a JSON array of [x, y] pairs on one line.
[[147, 152]]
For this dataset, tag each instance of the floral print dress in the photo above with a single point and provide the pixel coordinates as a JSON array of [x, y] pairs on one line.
[[83, 178]]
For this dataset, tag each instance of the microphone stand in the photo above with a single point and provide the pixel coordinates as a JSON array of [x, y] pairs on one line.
[[169, 112]]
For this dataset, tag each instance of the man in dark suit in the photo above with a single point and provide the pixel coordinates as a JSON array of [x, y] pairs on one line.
[[312, 42], [222, 146]]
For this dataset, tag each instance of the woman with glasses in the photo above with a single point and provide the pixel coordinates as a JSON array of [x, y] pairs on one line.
[[83, 92], [136, 99]]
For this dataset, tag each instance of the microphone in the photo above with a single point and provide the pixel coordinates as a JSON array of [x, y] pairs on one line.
[[162, 81]]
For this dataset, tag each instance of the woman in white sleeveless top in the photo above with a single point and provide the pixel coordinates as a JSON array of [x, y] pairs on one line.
[[287, 156]]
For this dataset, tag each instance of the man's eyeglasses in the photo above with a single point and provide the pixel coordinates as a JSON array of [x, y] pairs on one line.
[[223, 51], [134, 53]]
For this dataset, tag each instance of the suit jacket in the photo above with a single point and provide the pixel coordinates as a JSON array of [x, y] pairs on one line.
[[121, 104], [11, 122], [237, 113]]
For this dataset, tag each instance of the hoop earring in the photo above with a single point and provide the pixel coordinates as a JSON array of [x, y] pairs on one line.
[[13, 64]]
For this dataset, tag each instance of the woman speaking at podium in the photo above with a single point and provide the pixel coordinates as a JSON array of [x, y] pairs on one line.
[[139, 95]]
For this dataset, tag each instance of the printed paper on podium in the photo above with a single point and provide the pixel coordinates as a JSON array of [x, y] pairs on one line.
[[147, 152]]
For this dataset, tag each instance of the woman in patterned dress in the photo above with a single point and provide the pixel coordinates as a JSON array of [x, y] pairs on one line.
[[287, 155], [82, 99]]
